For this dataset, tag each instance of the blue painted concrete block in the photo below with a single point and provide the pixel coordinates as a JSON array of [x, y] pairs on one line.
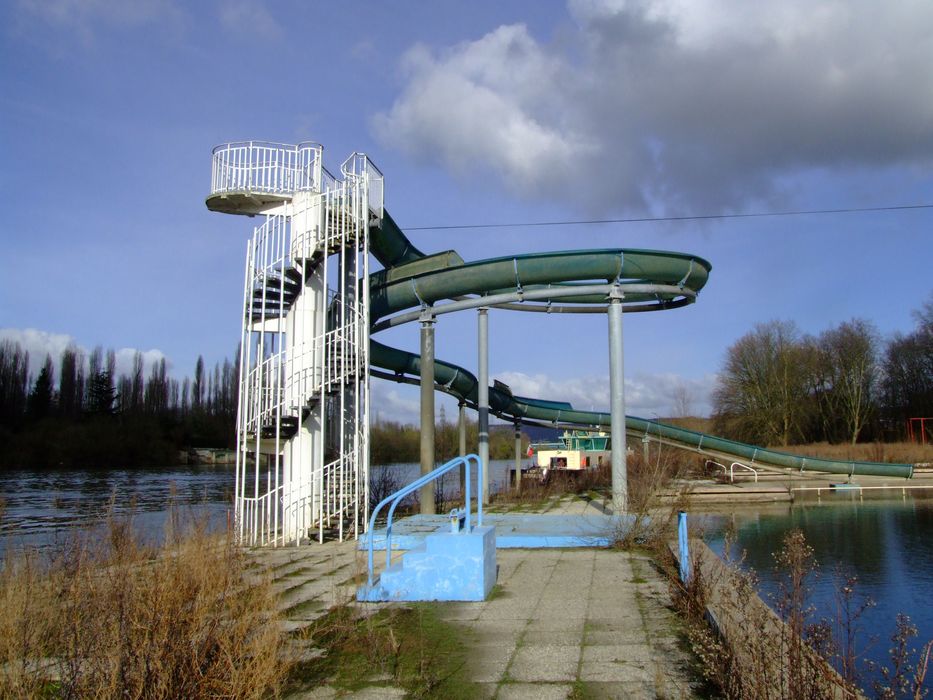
[[448, 566]]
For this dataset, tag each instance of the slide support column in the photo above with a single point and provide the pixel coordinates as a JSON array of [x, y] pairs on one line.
[[461, 430], [617, 404], [427, 410], [483, 398], [518, 456]]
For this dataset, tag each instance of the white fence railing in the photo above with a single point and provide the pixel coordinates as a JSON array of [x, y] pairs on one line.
[[264, 167]]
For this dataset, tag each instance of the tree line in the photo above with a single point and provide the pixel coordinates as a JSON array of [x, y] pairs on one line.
[[86, 415], [778, 386]]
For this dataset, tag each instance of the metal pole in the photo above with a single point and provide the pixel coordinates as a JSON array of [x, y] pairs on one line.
[[482, 400], [427, 411], [617, 405], [461, 429], [684, 544], [518, 456]]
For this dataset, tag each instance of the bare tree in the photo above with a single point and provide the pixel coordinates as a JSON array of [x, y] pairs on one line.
[[762, 392], [908, 369], [683, 400], [848, 361]]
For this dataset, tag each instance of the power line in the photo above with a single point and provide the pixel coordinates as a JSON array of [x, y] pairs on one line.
[[697, 217]]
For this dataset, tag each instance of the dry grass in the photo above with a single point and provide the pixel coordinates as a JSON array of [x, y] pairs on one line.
[[744, 648], [897, 452], [650, 475], [535, 494], [120, 619]]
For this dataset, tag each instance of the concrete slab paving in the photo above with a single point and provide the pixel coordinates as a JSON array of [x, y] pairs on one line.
[[545, 663], [534, 691], [592, 626]]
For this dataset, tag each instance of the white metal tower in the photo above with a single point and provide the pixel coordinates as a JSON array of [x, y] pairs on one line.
[[303, 409]]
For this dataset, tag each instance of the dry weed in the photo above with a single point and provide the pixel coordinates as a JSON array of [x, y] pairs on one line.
[[120, 619], [896, 452]]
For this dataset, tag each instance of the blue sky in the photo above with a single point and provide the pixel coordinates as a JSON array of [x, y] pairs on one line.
[[475, 112]]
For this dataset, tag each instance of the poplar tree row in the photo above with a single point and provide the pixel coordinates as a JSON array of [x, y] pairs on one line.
[[85, 401]]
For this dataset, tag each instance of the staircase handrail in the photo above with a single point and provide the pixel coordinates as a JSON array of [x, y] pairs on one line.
[[396, 498]]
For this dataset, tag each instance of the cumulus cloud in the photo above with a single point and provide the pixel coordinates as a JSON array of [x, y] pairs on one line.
[[646, 395], [41, 343], [676, 105]]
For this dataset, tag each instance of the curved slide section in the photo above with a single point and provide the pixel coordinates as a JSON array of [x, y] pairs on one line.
[[653, 280]]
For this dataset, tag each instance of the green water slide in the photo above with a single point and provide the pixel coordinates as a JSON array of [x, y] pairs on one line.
[[557, 282]]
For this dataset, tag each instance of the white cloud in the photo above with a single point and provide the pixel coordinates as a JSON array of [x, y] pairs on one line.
[[676, 105], [41, 343], [485, 104], [646, 395], [84, 17], [249, 17], [389, 404]]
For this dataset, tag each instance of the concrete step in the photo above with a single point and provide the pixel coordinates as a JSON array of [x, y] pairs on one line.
[[446, 566]]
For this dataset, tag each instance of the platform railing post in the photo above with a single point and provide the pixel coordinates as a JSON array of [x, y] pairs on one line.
[[617, 405], [483, 399], [427, 411]]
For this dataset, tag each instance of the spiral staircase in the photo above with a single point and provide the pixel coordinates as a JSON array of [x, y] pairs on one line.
[[303, 407]]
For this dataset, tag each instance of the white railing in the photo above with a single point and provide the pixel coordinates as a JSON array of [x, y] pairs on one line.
[[264, 167], [269, 252], [264, 388], [730, 472], [360, 168]]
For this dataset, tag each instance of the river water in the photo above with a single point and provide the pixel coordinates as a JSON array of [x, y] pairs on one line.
[[886, 543], [39, 507]]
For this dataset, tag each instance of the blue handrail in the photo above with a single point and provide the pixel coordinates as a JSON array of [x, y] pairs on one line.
[[396, 498]]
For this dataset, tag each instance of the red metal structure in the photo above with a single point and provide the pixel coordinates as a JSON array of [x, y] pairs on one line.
[[918, 435]]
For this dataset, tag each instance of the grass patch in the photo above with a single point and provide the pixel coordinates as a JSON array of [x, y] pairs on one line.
[[579, 691], [408, 647], [497, 593]]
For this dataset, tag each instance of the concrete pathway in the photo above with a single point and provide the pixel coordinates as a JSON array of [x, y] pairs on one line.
[[575, 623], [578, 623]]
